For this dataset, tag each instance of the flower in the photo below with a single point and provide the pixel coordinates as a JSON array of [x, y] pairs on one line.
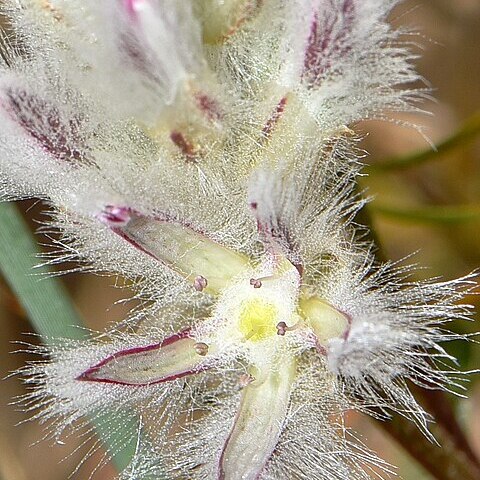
[[202, 150]]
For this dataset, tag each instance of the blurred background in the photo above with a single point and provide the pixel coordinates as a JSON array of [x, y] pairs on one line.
[[432, 208]]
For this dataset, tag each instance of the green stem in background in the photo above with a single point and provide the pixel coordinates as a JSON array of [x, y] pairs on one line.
[[439, 214], [50, 310], [467, 133], [455, 458]]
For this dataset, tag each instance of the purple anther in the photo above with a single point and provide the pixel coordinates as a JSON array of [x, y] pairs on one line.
[[201, 348], [200, 283], [282, 328], [255, 282], [115, 216]]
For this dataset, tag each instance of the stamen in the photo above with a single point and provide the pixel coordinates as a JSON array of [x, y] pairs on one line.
[[258, 282], [201, 348], [200, 283], [283, 328]]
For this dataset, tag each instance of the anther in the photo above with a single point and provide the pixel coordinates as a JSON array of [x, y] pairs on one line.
[[258, 282], [201, 348], [200, 283], [281, 328]]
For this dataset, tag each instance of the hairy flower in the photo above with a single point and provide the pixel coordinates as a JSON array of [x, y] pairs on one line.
[[202, 150]]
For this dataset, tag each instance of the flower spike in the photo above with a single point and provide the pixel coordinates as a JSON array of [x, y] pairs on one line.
[[203, 151]]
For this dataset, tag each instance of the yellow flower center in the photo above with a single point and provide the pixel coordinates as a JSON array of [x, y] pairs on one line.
[[258, 320]]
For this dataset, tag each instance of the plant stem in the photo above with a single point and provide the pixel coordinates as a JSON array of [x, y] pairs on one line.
[[467, 133], [437, 402], [441, 214]]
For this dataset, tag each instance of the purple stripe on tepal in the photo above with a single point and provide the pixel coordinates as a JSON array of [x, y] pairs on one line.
[[328, 38], [58, 134], [132, 6]]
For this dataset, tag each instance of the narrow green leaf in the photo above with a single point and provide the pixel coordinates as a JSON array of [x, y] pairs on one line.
[[45, 300], [438, 214], [467, 133], [49, 308]]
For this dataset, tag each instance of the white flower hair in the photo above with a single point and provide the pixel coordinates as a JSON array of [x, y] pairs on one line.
[[203, 150]]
